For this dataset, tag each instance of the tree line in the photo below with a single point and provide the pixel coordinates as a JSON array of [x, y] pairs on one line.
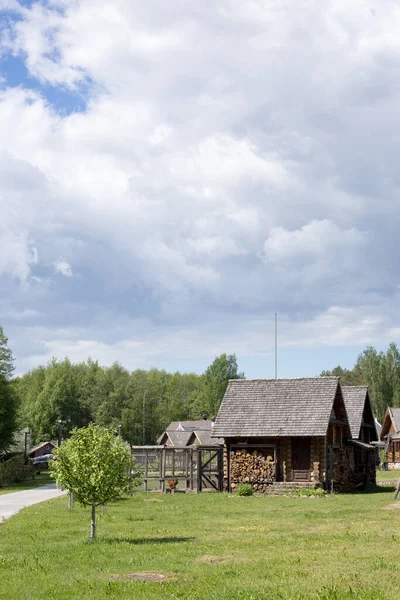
[[142, 403], [380, 371]]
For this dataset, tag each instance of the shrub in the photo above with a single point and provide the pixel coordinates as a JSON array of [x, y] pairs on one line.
[[309, 492], [14, 470], [245, 489]]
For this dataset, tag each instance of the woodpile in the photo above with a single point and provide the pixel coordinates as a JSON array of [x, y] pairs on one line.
[[343, 475], [346, 478], [252, 467]]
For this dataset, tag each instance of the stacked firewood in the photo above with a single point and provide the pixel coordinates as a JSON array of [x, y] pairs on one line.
[[343, 475], [252, 467]]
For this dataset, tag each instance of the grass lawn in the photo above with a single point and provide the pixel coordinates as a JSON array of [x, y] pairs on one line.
[[42, 479], [211, 546], [392, 475]]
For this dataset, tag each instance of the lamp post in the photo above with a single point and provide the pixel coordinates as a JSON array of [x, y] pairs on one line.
[[60, 424], [119, 430], [26, 432]]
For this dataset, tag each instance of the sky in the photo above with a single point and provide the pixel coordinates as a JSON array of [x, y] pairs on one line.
[[172, 174]]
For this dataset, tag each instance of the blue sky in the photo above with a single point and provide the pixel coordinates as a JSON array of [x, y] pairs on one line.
[[173, 174]]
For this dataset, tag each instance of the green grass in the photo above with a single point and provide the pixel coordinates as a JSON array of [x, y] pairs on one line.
[[29, 484], [392, 475], [213, 546]]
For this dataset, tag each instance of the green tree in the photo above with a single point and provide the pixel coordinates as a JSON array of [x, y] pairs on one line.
[[380, 371], [57, 400], [8, 397], [95, 466], [215, 382]]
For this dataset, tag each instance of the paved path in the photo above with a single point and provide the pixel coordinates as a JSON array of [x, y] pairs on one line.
[[12, 503]]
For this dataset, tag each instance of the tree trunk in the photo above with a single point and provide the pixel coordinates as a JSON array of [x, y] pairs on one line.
[[93, 523]]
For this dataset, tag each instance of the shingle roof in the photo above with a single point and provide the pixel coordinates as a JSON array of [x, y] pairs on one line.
[[354, 399], [179, 438], [205, 438], [276, 407], [189, 425], [395, 412], [39, 446]]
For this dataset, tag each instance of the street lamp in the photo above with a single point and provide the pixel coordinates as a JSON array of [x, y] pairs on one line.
[[26, 433], [60, 424], [119, 430]]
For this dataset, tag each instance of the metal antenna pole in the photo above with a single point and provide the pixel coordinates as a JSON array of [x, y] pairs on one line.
[[276, 346], [144, 417]]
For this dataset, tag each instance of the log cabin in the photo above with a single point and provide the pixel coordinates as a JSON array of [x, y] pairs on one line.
[[293, 432], [390, 434], [363, 453]]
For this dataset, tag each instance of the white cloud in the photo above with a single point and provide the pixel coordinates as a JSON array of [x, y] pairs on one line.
[[17, 254], [63, 267], [228, 162], [313, 242]]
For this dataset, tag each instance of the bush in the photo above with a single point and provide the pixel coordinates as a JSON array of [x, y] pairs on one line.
[[14, 471], [310, 492], [245, 489]]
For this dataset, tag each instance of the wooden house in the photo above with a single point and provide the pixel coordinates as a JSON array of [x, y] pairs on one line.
[[41, 449], [364, 456], [390, 434], [290, 431]]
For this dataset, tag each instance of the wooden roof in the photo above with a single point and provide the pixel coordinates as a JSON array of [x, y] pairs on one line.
[[39, 446], [278, 407], [189, 425], [392, 418], [357, 401], [177, 438], [205, 438]]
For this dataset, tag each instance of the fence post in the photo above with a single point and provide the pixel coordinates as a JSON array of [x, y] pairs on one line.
[[146, 469], [164, 467], [220, 463], [199, 481]]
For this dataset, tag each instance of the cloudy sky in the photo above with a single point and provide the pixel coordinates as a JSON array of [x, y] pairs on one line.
[[174, 173]]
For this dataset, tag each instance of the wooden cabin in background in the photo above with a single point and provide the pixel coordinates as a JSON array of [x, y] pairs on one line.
[[390, 434], [41, 449], [363, 430], [290, 431]]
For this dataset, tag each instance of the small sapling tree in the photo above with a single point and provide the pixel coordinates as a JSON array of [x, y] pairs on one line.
[[95, 466]]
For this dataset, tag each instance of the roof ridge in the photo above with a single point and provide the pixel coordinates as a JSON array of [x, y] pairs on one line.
[[364, 387], [336, 377]]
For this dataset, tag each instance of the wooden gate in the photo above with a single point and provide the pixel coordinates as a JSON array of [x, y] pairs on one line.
[[210, 468]]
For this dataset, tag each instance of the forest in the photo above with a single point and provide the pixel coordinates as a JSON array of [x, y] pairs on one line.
[[141, 402]]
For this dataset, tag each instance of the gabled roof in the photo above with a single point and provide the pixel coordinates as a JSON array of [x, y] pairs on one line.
[[39, 446], [177, 438], [392, 418], [357, 401], [189, 425], [205, 438], [278, 407], [378, 427]]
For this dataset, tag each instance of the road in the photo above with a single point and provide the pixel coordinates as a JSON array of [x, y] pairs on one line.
[[12, 503]]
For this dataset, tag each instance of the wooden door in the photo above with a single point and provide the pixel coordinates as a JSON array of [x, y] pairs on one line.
[[301, 459]]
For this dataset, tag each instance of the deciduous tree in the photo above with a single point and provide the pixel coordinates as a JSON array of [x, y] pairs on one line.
[[8, 398], [95, 466]]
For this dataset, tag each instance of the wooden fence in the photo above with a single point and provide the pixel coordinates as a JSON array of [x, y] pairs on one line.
[[195, 468]]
